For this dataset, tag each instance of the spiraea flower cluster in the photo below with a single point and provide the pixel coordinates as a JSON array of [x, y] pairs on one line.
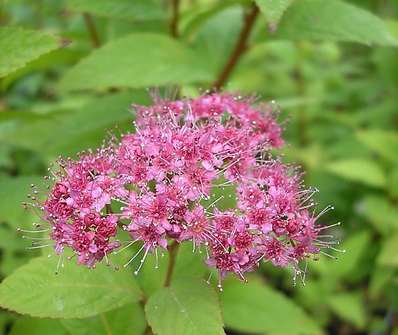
[[159, 182]]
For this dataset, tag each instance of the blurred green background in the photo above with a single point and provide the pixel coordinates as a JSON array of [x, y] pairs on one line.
[[332, 69]]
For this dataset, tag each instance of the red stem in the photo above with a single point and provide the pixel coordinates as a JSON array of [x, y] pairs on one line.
[[88, 20], [240, 48]]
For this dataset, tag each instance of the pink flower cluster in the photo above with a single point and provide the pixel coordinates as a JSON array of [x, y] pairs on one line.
[[159, 184]]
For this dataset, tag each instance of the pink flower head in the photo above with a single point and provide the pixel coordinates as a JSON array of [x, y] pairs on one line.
[[162, 180]]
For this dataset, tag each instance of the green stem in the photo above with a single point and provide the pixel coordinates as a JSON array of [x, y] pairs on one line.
[[173, 249]]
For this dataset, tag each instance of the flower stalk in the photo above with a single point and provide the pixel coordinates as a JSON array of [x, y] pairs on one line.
[[173, 250]]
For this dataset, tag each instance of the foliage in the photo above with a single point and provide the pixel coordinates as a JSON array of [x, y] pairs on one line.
[[69, 72]]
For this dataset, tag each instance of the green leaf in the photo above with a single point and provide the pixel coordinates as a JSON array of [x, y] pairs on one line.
[[358, 170], [273, 10], [10, 239], [333, 20], [81, 128], [127, 320], [350, 307], [354, 248], [76, 292], [313, 295], [19, 46], [380, 279], [188, 306], [10, 261], [381, 213], [393, 182], [187, 263], [389, 253], [138, 60], [384, 143], [192, 21], [223, 26], [221, 197], [124, 9], [13, 192], [27, 325], [257, 308]]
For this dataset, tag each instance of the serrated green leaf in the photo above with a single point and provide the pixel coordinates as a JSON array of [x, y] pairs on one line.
[[358, 170], [31, 326], [350, 307], [384, 143], [273, 10], [137, 60], [124, 9], [333, 20], [389, 253], [19, 46], [257, 308], [127, 320], [76, 292], [188, 306]]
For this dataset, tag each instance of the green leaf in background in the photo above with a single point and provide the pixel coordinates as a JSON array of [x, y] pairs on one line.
[[188, 306], [10, 260], [350, 307], [273, 10], [381, 213], [393, 182], [127, 320], [224, 198], [380, 279], [312, 296], [13, 192], [358, 170], [222, 26], [76, 292], [19, 46], [257, 308], [389, 253], [383, 142], [138, 60], [333, 20], [355, 246], [193, 21], [10, 240], [81, 128], [124, 9], [27, 325]]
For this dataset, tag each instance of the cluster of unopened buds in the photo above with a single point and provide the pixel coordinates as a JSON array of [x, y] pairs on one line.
[[159, 185]]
